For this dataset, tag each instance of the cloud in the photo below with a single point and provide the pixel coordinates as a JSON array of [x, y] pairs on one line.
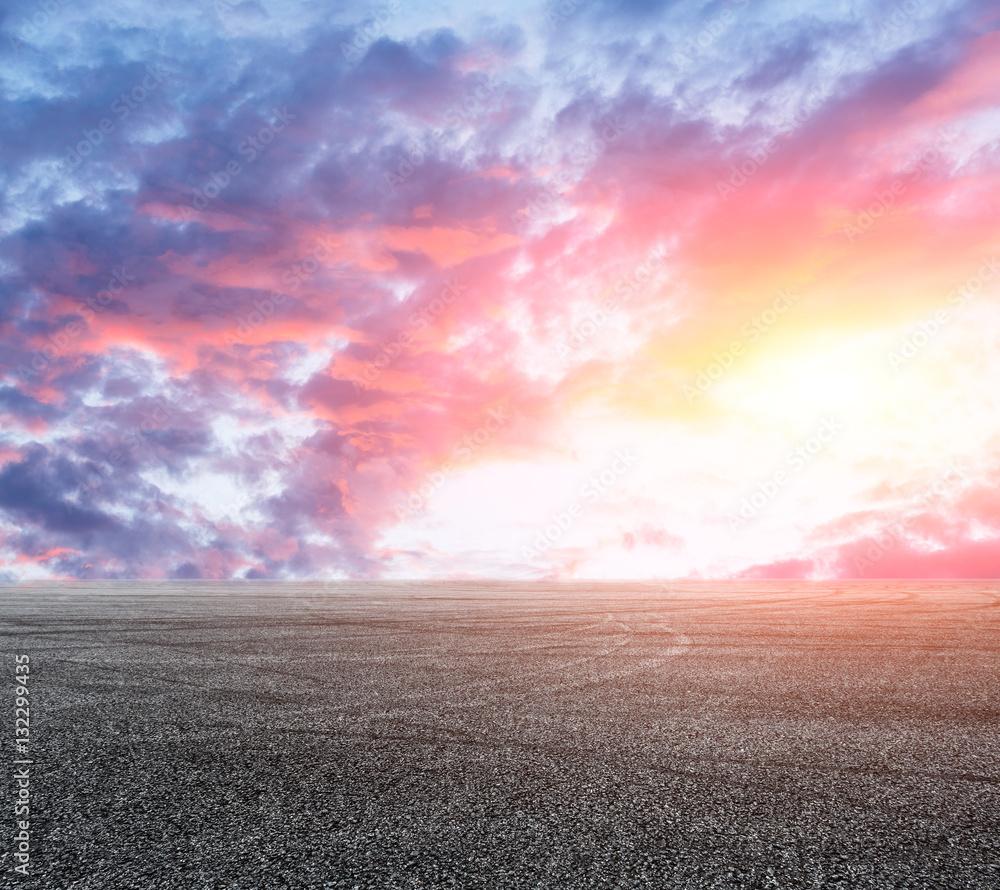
[[319, 269]]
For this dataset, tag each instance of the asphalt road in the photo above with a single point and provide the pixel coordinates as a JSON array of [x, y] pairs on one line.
[[508, 736]]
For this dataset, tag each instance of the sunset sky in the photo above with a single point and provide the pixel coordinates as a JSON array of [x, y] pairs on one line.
[[587, 289]]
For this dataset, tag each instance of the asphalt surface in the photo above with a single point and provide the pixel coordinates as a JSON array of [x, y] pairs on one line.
[[508, 736]]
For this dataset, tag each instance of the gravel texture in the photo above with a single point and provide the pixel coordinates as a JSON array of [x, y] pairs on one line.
[[509, 735]]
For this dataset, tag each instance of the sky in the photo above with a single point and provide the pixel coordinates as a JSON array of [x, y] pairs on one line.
[[577, 290]]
